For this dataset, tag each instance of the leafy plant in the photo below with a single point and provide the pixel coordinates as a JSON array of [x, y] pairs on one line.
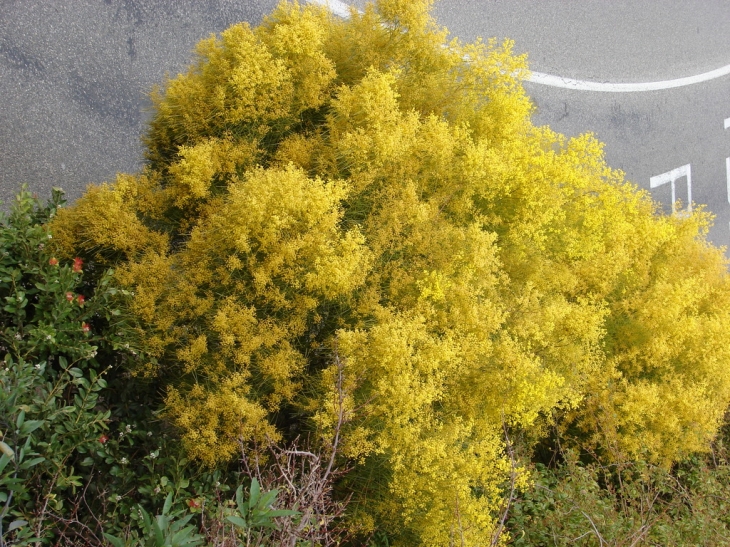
[[630, 503], [168, 529], [257, 511], [52, 327], [16, 462]]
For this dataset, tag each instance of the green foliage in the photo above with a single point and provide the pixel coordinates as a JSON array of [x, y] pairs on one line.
[[256, 511], [168, 529], [632, 503], [171, 528], [354, 227], [44, 452], [50, 378], [257, 514]]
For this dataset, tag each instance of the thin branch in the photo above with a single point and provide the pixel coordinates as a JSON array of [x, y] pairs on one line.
[[513, 477]]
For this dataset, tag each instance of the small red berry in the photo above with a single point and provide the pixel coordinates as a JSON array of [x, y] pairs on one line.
[[103, 439], [85, 327], [53, 261], [193, 503], [81, 299], [69, 296], [78, 263]]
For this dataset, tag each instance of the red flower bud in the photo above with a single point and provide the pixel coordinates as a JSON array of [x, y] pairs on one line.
[[103, 439], [78, 263], [69, 296], [85, 327], [53, 261], [193, 503], [81, 299]]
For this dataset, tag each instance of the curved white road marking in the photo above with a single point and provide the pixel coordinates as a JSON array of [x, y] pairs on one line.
[[583, 85], [335, 6], [341, 9]]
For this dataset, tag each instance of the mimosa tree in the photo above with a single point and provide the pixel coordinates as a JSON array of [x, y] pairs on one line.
[[354, 224]]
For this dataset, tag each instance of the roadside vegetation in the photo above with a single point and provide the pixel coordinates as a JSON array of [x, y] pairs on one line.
[[355, 297]]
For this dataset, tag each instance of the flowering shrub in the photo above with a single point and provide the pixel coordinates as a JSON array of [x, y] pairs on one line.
[[74, 461], [354, 226], [51, 343]]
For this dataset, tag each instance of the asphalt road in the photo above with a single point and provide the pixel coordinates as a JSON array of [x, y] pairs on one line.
[[646, 133], [74, 77]]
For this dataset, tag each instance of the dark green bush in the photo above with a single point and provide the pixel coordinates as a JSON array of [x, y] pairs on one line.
[[80, 447]]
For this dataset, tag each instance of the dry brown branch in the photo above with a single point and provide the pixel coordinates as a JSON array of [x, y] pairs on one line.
[[304, 478]]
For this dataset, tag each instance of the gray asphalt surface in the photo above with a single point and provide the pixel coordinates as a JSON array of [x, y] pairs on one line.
[[74, 77], [645, 133]]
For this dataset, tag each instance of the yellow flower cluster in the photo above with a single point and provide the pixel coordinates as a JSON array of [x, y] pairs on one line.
[[363, 192]]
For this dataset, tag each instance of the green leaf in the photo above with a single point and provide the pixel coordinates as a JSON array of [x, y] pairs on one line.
[[31, 463], [115, 541], [30, 426], [17, 524], [255, 491], [186, 537], [159, 526], [267, 499], [181, 522], [82, 382], [146, 519], [242, 505], [168, 504], [238, 521]]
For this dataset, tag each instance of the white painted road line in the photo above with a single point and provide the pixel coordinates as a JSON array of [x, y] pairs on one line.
[[341, 9], [671, 177], [607, 87]]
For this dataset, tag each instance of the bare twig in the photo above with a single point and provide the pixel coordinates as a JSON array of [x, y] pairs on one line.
[[512, 479], [595, 528], [305, 479]]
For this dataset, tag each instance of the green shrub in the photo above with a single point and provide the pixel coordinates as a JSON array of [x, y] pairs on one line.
[[630, 503], [57, 336], [73, 456]]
